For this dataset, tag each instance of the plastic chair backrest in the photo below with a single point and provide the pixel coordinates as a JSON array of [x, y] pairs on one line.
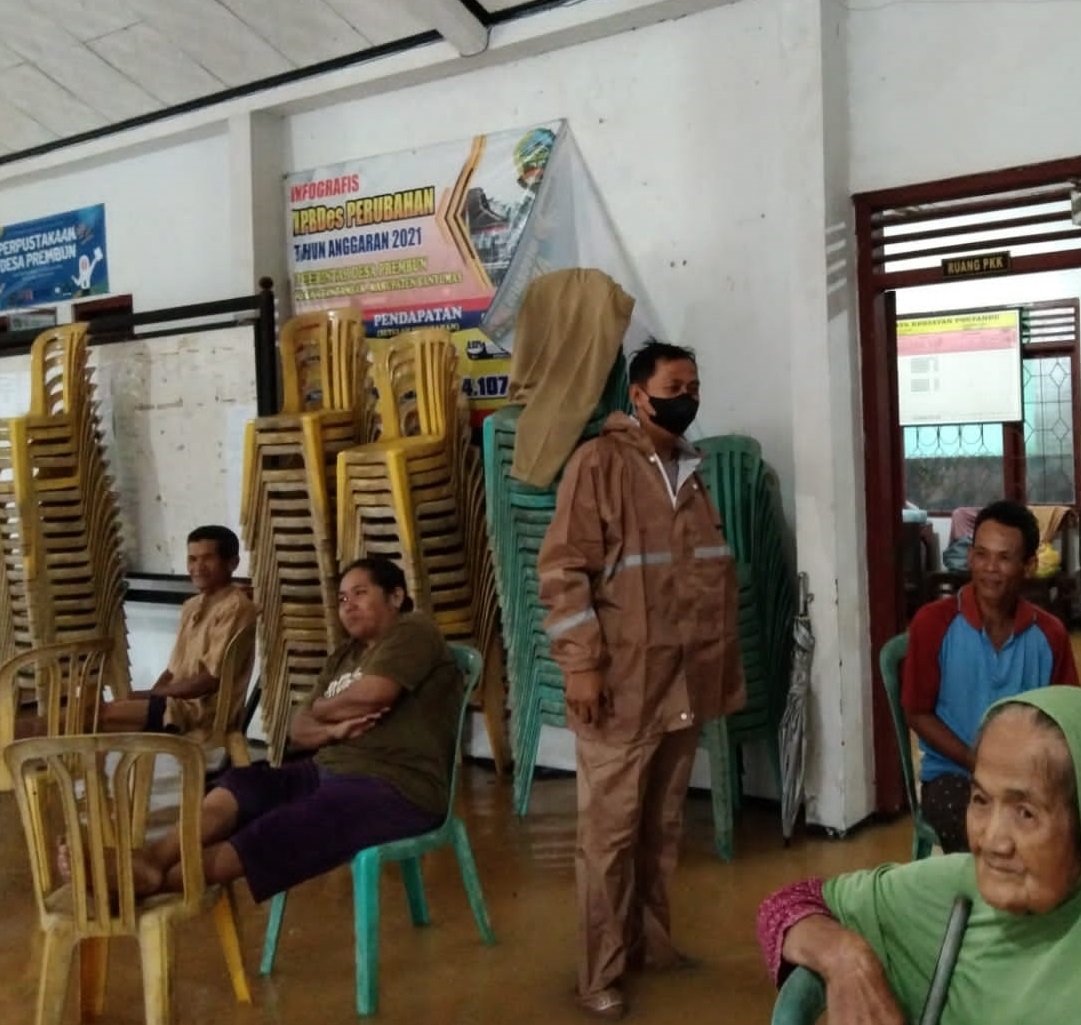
[[69, 679], [393, 376], [306, 365], [324, 358], [95, 783], [415, 375], [801, 1000], [731, 470], [889, 663], [236, 664], [57, 357], [471, 664], [349, 356]]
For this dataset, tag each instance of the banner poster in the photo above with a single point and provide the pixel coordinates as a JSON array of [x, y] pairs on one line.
[[54, 258], [451, 236]]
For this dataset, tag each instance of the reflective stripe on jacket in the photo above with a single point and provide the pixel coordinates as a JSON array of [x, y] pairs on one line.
[[641, 588]]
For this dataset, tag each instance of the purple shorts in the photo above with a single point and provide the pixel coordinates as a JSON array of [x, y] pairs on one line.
[[296, 822]]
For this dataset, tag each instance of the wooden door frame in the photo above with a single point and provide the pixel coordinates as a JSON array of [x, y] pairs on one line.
[[883, 455]]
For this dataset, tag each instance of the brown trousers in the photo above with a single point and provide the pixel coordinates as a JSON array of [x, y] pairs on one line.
[[630, 817]]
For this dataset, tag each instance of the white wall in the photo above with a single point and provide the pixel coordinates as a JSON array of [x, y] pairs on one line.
[[940, 89], [723, 168], [166, 216], [830, 527]]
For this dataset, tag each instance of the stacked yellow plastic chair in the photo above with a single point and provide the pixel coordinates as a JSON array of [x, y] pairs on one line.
[[416, 495], [287, 509], [62, 571]]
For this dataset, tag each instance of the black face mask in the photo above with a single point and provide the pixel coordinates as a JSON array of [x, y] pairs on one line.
[[676, 414]]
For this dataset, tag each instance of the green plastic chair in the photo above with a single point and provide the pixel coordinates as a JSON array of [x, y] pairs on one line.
[[889, 662], [801, 1000], [746, 493], [367, 864]]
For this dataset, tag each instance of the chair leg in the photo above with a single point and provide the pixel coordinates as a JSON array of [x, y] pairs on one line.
[[7, 736], [735, 761], [273, 930], [414, 891], [524, 764], [140, 800], [56, 956], [252, 704], [236, 747], [715, 735], [774, 744], [366, 866], [93, 975], [36, 794], [494, 702], [225, 919], [156, 953], [468, 867]]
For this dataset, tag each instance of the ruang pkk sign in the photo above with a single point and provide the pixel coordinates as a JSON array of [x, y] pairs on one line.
[[422, 238], [54, 258]]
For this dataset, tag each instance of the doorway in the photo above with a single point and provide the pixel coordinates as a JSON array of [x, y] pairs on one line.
[[1002, 225]]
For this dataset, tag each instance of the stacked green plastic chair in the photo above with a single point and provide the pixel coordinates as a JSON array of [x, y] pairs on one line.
[[745, 490], [518, 519]]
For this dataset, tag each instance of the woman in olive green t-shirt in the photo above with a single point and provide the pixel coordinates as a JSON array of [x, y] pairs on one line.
[[381, 722]]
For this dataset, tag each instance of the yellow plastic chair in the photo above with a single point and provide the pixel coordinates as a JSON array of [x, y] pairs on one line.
[[227, 730], [323, 357], [93, 780], [57, 364], [59, 521], [68, 679]]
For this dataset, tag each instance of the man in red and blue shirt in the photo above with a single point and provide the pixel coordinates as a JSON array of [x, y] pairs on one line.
[[967, 651]]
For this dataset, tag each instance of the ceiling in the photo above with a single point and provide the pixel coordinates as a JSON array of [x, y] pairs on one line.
[[74, 66]]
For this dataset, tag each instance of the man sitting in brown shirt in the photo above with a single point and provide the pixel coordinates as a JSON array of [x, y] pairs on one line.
[[183, 698]]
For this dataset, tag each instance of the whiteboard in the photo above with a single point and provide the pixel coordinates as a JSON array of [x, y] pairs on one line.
[[173, 412], [961, 368]]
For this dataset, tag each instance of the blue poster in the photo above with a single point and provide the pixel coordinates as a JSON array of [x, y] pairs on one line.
[[53, 258]]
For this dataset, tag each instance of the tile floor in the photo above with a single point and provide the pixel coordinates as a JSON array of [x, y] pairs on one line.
[[443, 974]]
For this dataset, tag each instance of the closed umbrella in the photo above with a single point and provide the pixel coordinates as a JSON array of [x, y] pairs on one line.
[[793, 728]]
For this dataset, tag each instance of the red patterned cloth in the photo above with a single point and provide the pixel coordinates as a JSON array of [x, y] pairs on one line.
[[779, 912], [963, 522]]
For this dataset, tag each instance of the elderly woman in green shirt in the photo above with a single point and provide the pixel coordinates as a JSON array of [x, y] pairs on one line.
[[874, 936]]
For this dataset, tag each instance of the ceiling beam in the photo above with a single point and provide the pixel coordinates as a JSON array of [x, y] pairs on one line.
[[454, 22]]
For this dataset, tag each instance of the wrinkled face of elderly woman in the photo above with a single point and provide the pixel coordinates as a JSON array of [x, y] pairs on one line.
[[1023, 814]]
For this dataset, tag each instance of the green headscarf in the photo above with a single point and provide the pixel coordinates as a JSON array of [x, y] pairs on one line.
[[1011, 968], [1063, 704]]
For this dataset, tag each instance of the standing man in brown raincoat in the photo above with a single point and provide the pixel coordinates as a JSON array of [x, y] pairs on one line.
[[643, 619]]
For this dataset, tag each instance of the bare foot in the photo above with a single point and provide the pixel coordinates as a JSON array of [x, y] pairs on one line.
[[147, 878]]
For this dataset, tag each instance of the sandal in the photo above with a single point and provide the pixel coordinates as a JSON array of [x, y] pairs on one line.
[[605, 1003]]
